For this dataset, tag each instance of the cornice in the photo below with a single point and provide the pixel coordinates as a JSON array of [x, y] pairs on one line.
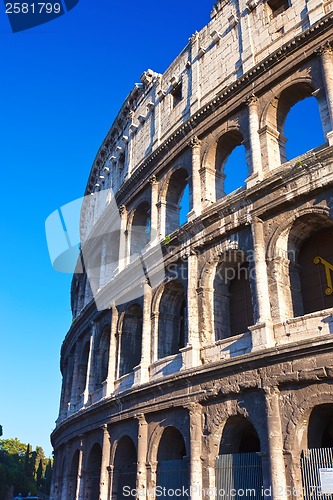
[[143, 398]]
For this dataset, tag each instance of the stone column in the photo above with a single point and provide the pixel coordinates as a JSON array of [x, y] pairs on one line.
[[326, 57], [123, 238], [54, 483], [153, 209], [141, 479], [104, 479], [80, 480], [208, 176], [151, 479], [262, 333], [65, 475], [195, 144], [161, 206], [154, 339], [257, 174], [74, 394], [104, 265], [275, 445], [195, 450], [146, 334], [66, 387], [192, 311], [112, 353], [90, 366], [130, 145]]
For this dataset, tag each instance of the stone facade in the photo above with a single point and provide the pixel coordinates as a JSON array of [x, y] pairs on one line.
[[232, 353]]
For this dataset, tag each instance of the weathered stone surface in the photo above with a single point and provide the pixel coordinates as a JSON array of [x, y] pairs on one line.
[[193, 369]]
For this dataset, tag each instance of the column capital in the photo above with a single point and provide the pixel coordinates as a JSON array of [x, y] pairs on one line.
[[122, 209], [194, 409], [325, 48], [251, 99], [194, 142], [153, 180], [270, 390], [141, 418]]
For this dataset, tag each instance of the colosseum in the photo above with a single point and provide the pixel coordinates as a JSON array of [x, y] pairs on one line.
[[215, 380]]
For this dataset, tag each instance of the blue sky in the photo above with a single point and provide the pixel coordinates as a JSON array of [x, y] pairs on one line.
[[62, 85]]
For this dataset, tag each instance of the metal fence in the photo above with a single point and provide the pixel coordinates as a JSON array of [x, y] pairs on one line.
[[317, 473], [239, 476], [172, 475]]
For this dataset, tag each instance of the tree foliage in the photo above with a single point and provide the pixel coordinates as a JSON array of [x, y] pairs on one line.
[[22, 469]]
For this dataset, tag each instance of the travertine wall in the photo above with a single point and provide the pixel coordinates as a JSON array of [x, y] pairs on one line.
[[171, 365]]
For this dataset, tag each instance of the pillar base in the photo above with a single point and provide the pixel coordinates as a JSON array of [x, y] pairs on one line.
[[262, 336]]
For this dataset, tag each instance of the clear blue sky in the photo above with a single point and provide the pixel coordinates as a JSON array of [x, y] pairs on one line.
[[62, 84]]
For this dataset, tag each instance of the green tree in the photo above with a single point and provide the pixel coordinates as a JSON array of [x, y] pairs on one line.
[[40, 474], [48, 477], [18, 470]]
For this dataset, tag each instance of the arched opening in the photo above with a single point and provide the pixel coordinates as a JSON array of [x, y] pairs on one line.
[[230, 164], [103, 356], [177, 197], [140, 230], [185, 205], [316, 461], [233, 309], [83, 367], [131, 339], [314, 260], [92, 473], [172, 321], [320, 430], [303, 128], [124, 475], [172, 468], [73, 475], [239, 451], [299, 140], [239, 436]]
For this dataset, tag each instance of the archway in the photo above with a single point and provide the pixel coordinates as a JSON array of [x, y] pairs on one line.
[[174, 199], [172, 468], [239, 451], [140, 230], [124, 474], [275, 121], [316, 461], [92, 473], [172, 322], [103, 356], [131, 339], [315, 263], [320, 429], [230, 163], [300, 136], [83, 367], [233, 309], [73, 476]]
